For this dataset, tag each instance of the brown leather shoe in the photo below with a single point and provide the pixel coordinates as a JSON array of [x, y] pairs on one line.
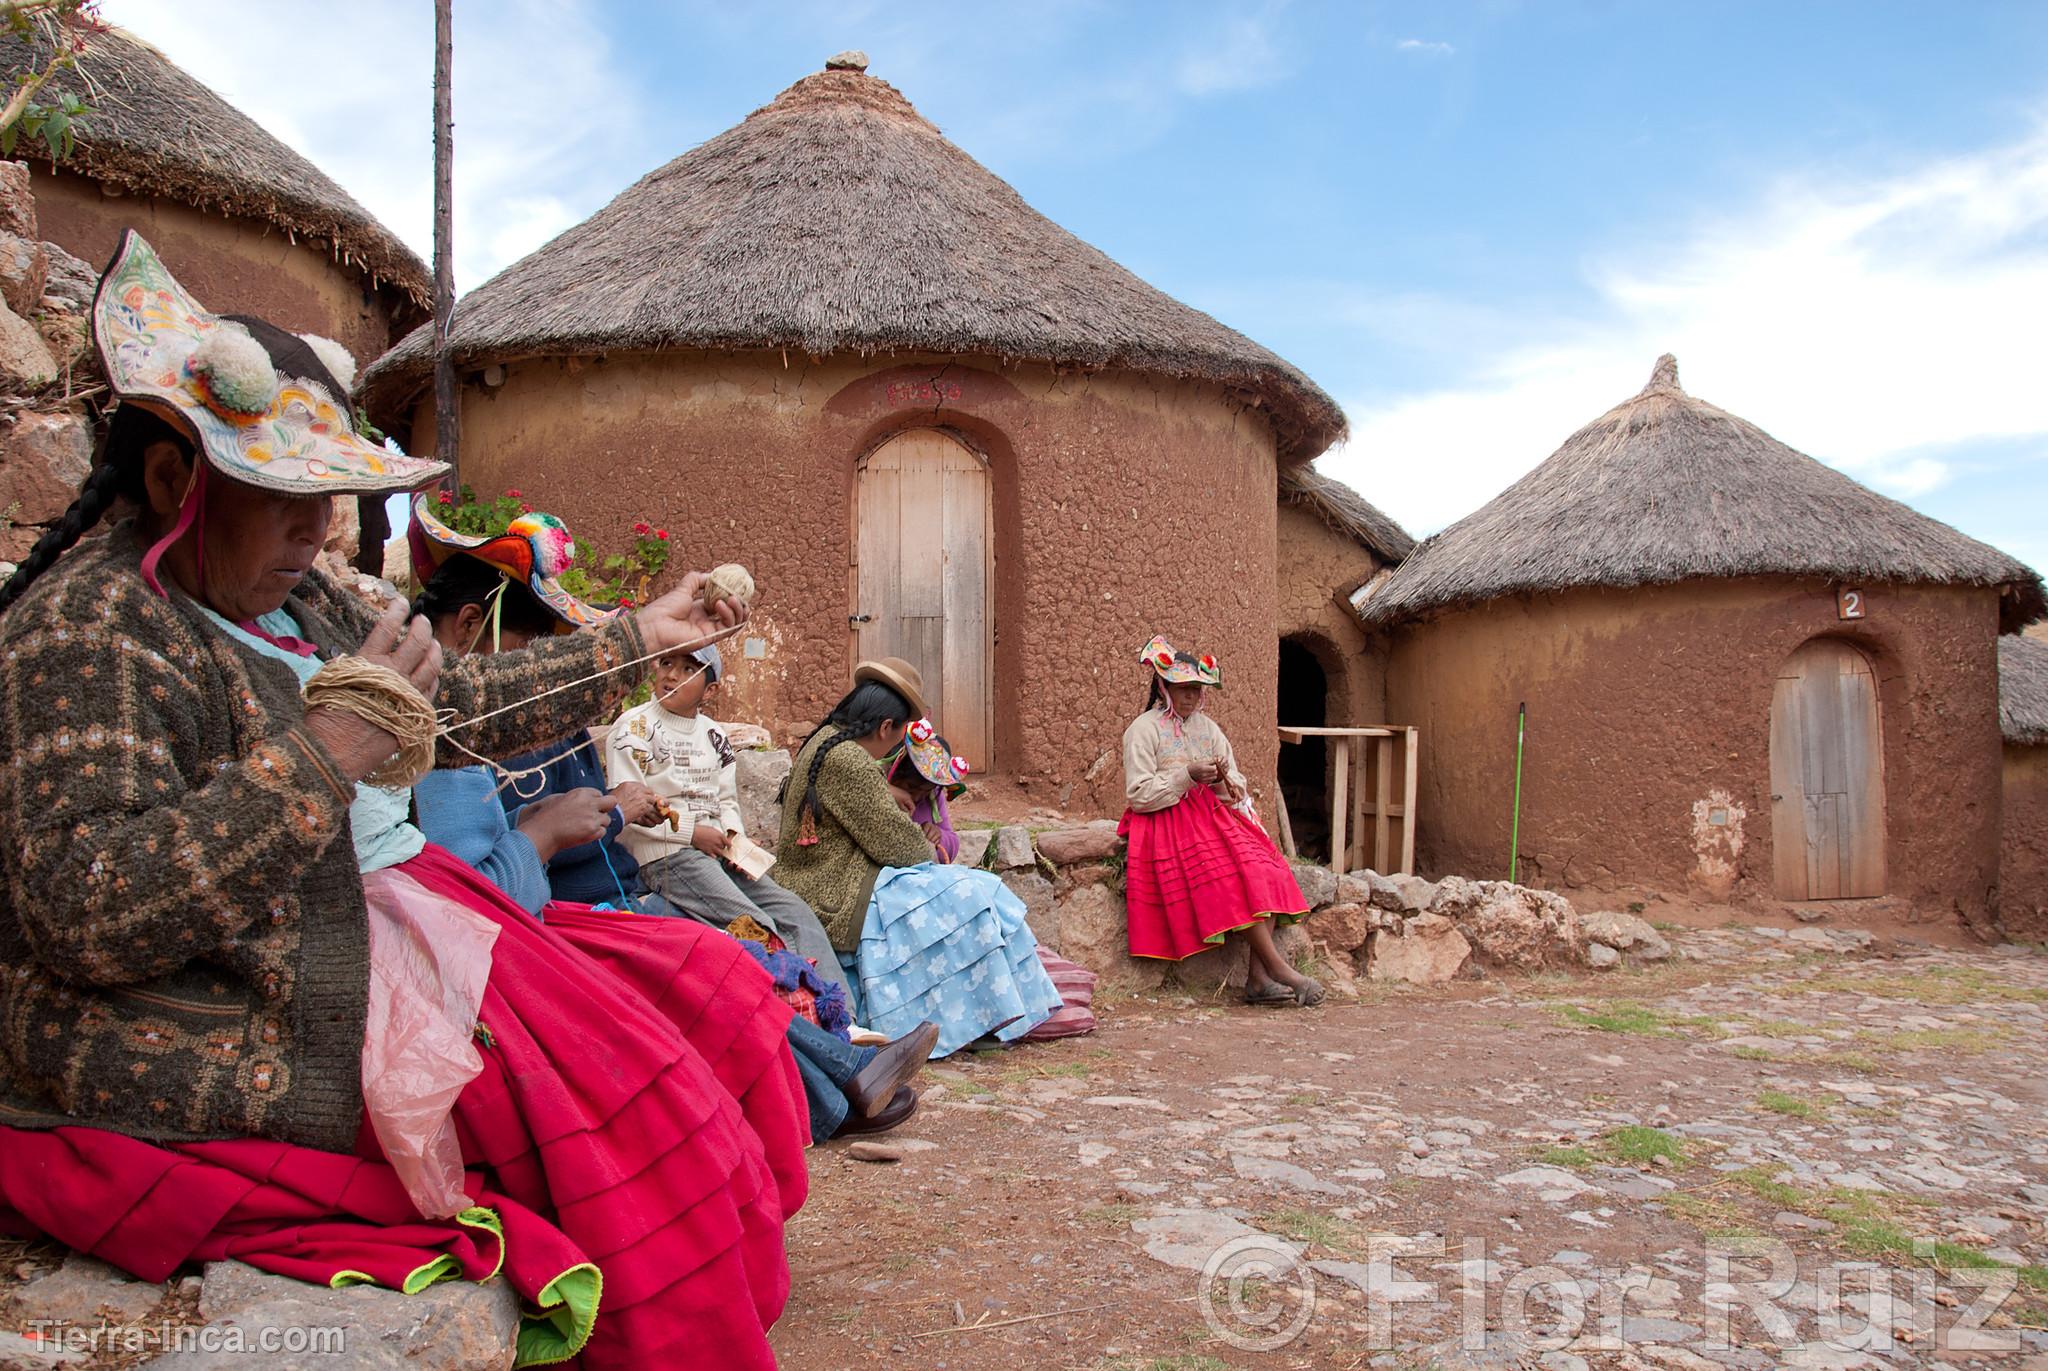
[[898, 1111], [895, 1065]]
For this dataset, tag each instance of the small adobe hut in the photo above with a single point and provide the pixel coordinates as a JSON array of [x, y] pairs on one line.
[[830, 344], [1746, 674], [1329, 542], [248, 225], [2023, 855]]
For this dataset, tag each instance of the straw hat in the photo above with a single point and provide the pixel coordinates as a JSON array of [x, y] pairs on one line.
[[897, 674]]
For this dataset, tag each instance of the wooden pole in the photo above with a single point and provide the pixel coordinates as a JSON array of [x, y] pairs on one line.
[[447, 419]]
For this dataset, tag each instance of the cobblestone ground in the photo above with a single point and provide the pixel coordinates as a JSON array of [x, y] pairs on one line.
[[1774, 1151]]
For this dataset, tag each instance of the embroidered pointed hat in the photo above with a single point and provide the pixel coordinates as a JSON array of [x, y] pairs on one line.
[[211, 378], [534, 550], [1180, 668], [933, 758]]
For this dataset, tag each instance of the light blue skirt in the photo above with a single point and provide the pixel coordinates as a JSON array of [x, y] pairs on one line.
[[949, 944]]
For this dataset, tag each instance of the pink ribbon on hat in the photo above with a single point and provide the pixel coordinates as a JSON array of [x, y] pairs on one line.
[[191, 515]]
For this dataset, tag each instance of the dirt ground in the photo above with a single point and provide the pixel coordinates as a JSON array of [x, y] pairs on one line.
[[1761, 1154]]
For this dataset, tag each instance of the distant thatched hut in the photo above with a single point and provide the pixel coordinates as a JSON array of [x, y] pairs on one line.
[[1330, 541], [1745, 673], [248, 225], [830, 343], [2023, 855]]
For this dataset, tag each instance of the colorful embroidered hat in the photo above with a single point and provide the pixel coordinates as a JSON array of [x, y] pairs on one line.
[[933, 757], [211, 378], [534, 548], [1180, 668]]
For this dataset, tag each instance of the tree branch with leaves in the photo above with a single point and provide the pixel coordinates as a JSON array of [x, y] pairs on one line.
[[59, 27]]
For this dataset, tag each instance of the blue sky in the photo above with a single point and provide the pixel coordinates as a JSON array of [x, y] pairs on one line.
[[1475, 224]]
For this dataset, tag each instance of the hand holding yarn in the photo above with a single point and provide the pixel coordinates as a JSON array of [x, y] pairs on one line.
[[731, 583], [687, 615], [362, 740]]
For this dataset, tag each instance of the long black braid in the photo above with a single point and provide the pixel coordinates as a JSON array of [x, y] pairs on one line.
[[118, 475], [866, 708]]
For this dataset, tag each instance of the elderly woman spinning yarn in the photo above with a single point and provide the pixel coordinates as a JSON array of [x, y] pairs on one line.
[[211, 925]]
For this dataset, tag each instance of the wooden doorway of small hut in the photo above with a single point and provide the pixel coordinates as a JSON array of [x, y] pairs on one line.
[[922, 560], [1827, 775], [1303, 701]]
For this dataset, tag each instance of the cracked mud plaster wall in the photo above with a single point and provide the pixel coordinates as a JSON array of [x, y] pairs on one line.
[[1644, 703], [2023, 856], [1124, 505], [1316, 567], [231, 266]]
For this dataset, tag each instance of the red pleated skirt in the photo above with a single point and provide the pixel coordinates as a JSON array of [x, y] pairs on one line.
[[639, 1125], [1196, 871]]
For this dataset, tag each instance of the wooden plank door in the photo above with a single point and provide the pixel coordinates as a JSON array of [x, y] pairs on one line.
[[1827, 775], [922, 572]]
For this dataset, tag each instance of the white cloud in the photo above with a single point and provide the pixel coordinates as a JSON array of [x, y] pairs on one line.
[[1875, 323], [544, 133], [1424, 45], [1240, 54]]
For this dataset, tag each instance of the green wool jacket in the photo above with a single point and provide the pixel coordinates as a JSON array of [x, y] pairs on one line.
[[860, 830], [183, 943]]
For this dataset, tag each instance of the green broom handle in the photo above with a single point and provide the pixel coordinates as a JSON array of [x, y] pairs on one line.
[[1515, 841]]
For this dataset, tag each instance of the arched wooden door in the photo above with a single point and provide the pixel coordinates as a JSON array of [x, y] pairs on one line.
[[1827, 775], [921, 577]]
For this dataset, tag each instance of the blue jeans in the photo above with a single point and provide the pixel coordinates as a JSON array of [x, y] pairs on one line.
[[828, 1066]]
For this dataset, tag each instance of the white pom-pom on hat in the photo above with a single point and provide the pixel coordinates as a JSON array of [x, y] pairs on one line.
[[233, 371], [337, 359]]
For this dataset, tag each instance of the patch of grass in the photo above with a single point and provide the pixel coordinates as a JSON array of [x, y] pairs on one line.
[[1759, 1182], [1854, 1061], [1623, 1016], [1967, 1040], [1714, 1215], [1636, 1145], [1307, 1226], [1302, 1099], [1115, 1215], [1573, 1158], [1793, 1106], [1945, 985], [1757, 1054]]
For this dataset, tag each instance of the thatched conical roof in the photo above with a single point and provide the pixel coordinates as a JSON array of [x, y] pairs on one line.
[[1666, 488], [1345, 510], [838, 219], [2023, 690], [156, 131]]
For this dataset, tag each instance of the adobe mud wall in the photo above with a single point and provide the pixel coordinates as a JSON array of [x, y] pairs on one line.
[[1124, 506], [2023, 855], [232, 266], [1649, 715], [1316, 569]]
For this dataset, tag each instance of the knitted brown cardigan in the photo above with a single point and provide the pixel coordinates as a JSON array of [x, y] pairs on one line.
[[183, 944]]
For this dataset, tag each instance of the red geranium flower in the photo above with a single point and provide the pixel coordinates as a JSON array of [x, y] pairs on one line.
[[662, 534], [525, 508], [511, 494], [625, 602], [641, 528], [446, 498]]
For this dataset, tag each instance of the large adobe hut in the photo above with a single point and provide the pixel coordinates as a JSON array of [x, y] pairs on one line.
[[830, 344], [2023, 719], [1747, 675], [247, 224], [1330, 541]]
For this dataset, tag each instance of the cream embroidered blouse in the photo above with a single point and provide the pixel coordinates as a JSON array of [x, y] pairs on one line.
[[1156, 758]]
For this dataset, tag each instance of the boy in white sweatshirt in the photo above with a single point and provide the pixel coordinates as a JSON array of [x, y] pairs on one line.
[[681, 754]]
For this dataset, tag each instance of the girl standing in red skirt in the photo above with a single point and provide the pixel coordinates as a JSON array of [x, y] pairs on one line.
[[1200, 866]]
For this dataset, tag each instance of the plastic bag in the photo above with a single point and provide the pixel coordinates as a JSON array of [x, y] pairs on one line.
[[429, 960]]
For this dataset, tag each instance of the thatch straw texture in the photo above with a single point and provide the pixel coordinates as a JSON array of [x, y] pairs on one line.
[[838, 220], [2023, 690], [1667, 488], [1348, 512], [156, 131]]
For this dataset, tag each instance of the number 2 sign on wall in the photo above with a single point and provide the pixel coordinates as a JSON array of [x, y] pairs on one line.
[[1849, 603]]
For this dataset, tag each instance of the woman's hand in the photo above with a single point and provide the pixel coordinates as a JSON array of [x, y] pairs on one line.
[[902, 798], [1205, 773], [357, 746], [639, 804], [679, 617], [933, 833], [563, 821], [708, 839]]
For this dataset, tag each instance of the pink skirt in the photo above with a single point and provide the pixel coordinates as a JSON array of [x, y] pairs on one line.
[[1197, 871]]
